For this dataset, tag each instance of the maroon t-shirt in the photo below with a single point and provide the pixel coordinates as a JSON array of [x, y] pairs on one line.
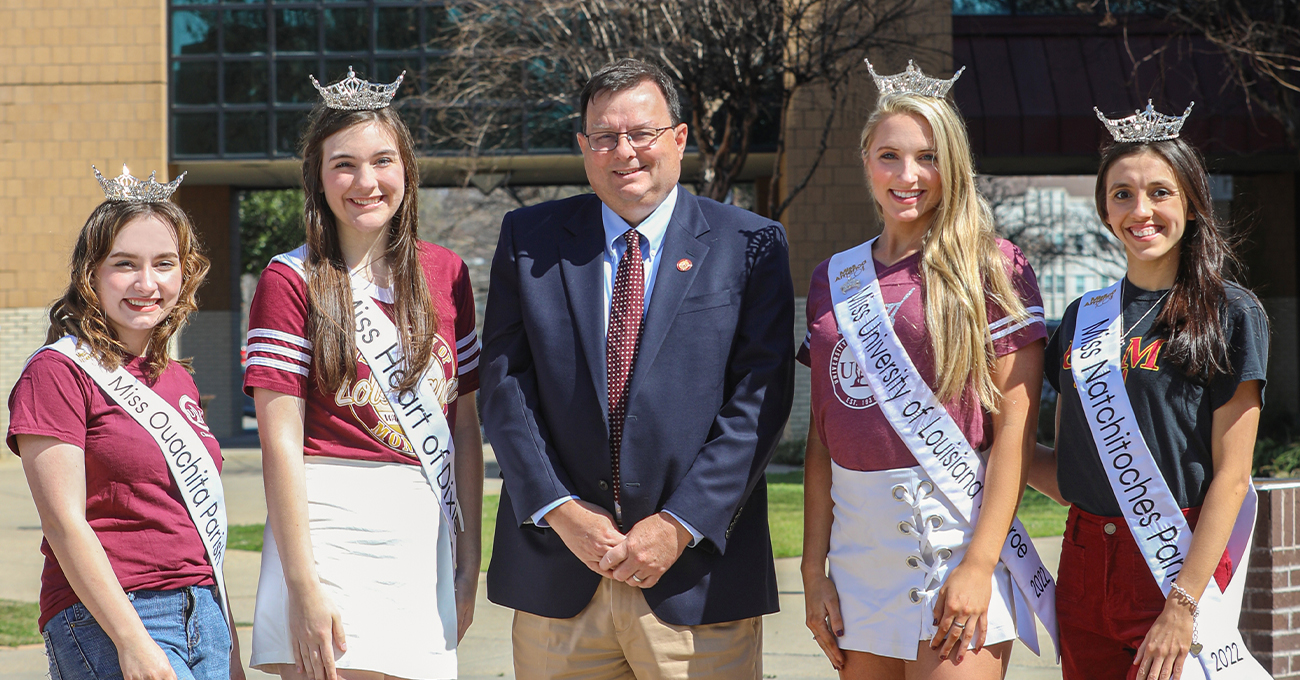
[[357, 422], [132, 503], [843, 407]]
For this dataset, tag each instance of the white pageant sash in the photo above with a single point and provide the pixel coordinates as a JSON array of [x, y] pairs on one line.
[[418, 411], [1152, 514], [187, 458], [928, 430]]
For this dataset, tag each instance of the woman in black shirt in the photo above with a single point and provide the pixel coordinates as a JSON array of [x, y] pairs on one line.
[[1193, 352]]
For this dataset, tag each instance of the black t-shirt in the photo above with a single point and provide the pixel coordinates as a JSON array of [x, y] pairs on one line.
[[1174, 412]]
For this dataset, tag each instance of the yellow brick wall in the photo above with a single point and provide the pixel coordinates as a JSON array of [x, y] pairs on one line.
[[82, 83]]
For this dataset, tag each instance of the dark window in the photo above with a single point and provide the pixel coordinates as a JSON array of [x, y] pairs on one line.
[[245, 31], [347, 30], [1017, 7], [246, 132], [239, 75], [196, 82], [194, 134], [292, 83], [296, 30], [397, 29], [194, 32], [289, 126], [247, 82]]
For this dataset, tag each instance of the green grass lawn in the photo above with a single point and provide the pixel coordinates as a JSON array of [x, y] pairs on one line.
[[18, 623], [1041, 515], [245, 537]]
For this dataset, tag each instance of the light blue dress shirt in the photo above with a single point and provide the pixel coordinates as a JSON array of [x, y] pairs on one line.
[[652, 229]]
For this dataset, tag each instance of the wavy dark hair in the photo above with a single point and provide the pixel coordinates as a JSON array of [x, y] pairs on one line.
[[80, 313], [329, 289], [1192, 318]]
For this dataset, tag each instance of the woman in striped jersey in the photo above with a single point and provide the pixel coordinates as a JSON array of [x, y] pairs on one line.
[[371, 556]]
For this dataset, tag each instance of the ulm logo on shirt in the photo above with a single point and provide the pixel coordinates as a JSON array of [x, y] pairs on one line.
[[193, 412], [1135, 355], [847, 381]]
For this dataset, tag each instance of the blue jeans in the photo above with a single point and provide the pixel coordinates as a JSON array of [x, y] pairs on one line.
[[187, 624]]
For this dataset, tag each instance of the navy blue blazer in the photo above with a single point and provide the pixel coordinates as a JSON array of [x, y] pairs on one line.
[[710, 394]]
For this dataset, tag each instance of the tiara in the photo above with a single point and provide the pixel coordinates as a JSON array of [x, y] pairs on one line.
[[355, 94], [913, 81], [1145, 126], [126, 188]]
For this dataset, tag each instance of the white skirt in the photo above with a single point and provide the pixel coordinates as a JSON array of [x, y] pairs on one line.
[[383, 553], [894, 540]]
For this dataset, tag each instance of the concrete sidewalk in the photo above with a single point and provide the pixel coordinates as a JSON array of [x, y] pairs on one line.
[[788, 650]]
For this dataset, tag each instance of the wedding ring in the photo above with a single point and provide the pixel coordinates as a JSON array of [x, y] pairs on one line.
[[954, 624], [638, 579]]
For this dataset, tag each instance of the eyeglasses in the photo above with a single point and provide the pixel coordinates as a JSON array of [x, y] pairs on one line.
[[643, 138]]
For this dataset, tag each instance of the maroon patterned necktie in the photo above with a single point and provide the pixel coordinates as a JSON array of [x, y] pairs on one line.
[[624, 337]]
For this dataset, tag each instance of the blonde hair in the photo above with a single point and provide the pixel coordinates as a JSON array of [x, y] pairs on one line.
[[961, 266]]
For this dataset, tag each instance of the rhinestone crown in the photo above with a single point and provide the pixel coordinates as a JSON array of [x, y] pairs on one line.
[[355, 94], [913, 81], [1145, 126], [126, 188]]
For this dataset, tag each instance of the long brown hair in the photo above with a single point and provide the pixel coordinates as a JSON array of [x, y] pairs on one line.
[[329, 288], [1192, 316], [80, 313], [961, 265]]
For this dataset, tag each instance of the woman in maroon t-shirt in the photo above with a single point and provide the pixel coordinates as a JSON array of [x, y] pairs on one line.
[[127, 590], [897, 583], [359, 575]]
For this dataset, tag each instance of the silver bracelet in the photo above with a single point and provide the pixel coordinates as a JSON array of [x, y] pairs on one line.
[[1186, 596], [1196, 609]]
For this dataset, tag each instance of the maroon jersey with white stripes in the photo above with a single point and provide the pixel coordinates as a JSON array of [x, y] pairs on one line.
[[357, 422], [843, 406]]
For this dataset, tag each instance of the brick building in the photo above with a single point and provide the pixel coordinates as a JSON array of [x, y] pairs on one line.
[[217, 88]]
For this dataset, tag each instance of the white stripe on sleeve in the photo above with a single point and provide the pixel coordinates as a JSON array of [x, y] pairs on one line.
[[1015, 327], [277, 364], [278, 349], [279, 335]]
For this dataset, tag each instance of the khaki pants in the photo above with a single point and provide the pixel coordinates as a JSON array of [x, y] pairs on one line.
[[618, 637]]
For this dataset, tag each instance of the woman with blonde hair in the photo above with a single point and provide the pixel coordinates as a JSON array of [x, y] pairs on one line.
[[926, 348], [121, 464], [363, 366]]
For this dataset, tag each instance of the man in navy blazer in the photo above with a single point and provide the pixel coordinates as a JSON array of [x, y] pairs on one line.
[[672, 579]]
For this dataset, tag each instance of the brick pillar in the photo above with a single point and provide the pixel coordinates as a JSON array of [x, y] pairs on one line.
[[1270, 610]]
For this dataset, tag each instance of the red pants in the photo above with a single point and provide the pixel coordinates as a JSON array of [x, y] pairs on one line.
[[1106, 598]]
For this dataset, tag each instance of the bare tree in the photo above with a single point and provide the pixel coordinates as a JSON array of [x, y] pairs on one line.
[[738, 63], [1260, 39]]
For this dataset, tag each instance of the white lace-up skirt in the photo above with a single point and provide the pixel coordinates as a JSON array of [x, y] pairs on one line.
[[893, 542], [383, 553]]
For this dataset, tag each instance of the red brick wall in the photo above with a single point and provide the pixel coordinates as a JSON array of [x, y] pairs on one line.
[[1270, 611]]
